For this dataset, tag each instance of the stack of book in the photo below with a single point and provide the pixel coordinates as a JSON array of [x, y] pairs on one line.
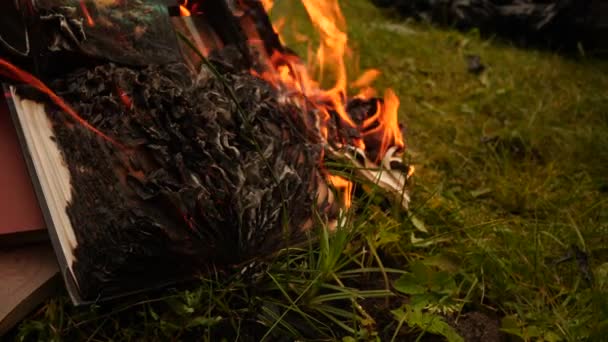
[[28, 267]]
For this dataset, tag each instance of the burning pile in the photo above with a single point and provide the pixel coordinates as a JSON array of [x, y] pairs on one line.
[[216, 181], [217, 159], [362, 130]]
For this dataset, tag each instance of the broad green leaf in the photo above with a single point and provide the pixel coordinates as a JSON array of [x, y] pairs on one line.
[[385, 237], [442, 262], [421, 301], [510, 325], [179, 307], [399, 314], [442, 282], [550, 336], [422, 273], [532, 331], [202, 321], [409, 284], [510, 322], [431, 323], [418, 223]]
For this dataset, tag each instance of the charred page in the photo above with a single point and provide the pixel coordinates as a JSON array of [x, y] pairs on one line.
[[177, 177]]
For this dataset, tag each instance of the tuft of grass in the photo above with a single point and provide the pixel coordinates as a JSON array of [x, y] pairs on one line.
[[512, 179]]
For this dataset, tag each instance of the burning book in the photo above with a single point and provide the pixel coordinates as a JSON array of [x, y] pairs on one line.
[[156, 170]]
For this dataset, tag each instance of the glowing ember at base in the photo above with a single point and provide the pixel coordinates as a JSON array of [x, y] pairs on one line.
[[183, 9], [86, 13]]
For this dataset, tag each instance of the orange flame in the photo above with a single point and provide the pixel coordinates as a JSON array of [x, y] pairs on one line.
[[292, 77], [288, 73], [366, 79], [327, 18], [344, 186], [183, 9], [386, 117], [267, 5], [124, 98]]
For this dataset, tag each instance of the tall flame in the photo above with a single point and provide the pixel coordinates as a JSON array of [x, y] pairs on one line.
[[289, 74], [386, 118], [327, 18]]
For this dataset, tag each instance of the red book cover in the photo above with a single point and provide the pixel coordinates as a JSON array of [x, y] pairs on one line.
[[20, 215]]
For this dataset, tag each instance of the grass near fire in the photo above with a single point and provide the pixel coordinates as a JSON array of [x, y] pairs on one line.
[[511, 177]]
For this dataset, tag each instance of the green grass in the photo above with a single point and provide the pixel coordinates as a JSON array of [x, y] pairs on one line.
[[512, 171]]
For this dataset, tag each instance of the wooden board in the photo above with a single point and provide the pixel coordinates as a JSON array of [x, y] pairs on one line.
[[29, 275]]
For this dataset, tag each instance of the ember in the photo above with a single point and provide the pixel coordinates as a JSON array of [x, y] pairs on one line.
[[86, 13]]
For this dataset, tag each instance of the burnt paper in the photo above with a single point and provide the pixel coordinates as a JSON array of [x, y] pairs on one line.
[[201, 181]]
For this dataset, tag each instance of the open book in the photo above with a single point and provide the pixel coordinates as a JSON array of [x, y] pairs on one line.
[[182, 191], [54, 187], [164, 174]]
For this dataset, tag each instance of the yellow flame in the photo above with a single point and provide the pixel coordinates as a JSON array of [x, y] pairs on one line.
[[366, 79], [344, 186], [327, 18], [268, 4]]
